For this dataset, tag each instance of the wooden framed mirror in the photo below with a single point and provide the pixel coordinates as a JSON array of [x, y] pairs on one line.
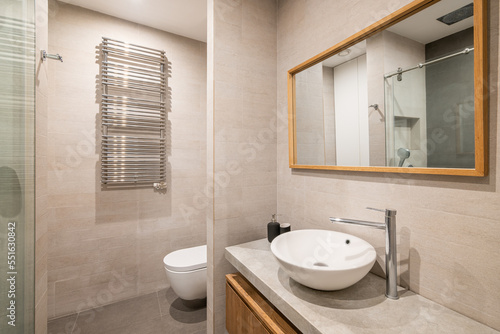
[[408, 94]]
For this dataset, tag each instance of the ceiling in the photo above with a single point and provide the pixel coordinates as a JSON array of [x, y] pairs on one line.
[[189, 17], [355, 51], [182, 17], [424, 27]]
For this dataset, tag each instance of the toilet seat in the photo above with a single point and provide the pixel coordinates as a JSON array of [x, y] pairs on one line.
[[187, 259]]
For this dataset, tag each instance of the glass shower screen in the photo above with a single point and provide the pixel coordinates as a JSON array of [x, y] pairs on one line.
[[17, 112]]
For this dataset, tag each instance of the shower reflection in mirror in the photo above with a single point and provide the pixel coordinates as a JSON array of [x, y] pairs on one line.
[[403, 97]]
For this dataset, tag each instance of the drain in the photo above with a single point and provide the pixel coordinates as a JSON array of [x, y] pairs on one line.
[[320, 264]]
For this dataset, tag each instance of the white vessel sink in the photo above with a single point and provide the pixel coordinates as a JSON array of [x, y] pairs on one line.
[[322, 259]]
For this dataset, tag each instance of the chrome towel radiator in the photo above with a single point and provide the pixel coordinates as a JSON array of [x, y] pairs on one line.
[[133, 115]]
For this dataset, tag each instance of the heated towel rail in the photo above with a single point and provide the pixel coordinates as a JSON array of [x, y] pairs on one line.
[[133, 115]]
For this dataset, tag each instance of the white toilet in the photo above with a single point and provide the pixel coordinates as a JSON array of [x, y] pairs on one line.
[[187, 272]]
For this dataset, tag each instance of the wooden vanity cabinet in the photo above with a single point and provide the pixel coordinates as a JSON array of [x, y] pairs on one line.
[[247, 311]]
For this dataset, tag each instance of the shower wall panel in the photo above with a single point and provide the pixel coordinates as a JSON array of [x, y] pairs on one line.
[[41, 209]]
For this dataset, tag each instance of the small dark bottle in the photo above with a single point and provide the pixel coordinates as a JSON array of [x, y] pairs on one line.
[[273, 229], [285, 227]]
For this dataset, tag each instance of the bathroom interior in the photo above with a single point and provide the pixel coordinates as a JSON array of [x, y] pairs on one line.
[[238, 107]]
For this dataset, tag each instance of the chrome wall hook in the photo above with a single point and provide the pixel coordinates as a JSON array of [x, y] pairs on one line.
[[46, 55], [160, 185], [375, 106]]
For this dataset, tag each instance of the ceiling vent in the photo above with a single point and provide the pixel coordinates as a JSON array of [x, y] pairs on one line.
[[458, 15]]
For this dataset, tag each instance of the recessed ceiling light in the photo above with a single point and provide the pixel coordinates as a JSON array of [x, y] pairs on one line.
[[344, 53]]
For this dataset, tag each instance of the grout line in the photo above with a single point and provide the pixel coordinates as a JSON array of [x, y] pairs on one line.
[[158, 300], [74, 324]]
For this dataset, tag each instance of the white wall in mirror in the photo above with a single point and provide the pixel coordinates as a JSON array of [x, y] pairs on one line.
[[351, 100]]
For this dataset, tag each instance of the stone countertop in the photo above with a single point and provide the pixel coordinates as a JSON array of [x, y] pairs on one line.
[[361, 308]]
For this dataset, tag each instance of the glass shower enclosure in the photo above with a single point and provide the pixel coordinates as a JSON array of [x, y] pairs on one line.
[[430, 114], [17, 165]]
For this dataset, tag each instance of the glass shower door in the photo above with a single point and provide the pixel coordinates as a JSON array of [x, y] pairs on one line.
[[17, 177], [430, 114], [406, 125]]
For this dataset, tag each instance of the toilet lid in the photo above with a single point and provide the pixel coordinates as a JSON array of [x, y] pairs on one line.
[[187, 259]]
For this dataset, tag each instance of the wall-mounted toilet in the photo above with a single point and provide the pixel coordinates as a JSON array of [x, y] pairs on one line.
[[187, 272]]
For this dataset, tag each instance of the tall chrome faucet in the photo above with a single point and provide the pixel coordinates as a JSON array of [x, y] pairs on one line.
[[391, 261]]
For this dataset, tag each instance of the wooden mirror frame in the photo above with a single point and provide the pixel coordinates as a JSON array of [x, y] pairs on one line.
[[480, 92]]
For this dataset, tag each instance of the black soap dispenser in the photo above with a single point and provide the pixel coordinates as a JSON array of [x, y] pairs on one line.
[[273, 229]]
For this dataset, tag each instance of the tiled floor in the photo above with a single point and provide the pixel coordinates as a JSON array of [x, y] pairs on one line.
[[156, 313]]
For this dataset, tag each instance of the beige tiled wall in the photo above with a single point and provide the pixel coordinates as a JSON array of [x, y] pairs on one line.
[[210, 166], [41, 195], [448, 227], [309, 108], [329, 116], [108, 245], [242, 82]]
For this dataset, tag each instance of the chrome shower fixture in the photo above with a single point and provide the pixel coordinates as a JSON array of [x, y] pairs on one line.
[[403, 154], [458, 15], [400, 74], [44, 55]]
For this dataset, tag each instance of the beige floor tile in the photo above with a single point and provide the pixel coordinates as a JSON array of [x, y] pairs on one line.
[[121, 314], [62, 325], [156, 313]]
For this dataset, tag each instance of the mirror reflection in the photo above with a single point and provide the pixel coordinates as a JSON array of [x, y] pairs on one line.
[[403, 97]]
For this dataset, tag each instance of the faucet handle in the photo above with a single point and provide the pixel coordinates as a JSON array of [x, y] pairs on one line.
[[374, 209], [388, 212]]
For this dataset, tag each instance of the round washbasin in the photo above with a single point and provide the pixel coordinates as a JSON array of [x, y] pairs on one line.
[[323, 260]]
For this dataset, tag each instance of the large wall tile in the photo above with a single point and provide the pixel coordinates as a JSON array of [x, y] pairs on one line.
[[242, 45]]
